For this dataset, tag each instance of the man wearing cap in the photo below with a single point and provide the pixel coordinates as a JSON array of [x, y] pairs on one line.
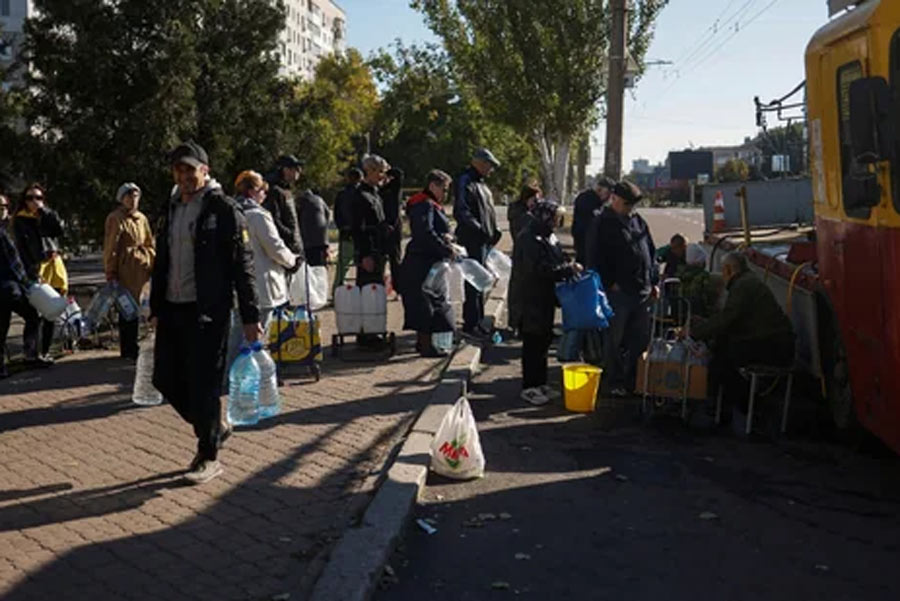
[[620, 248], [128, 254], [280, 201], [203, 259], [587, 206], [473, 209]]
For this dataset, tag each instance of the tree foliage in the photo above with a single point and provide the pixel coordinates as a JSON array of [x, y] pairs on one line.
[[428, 120], [786, 140], [538, 66], [734, 170]]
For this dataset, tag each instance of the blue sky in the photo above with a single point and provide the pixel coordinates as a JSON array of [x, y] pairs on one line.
[[706, 98]]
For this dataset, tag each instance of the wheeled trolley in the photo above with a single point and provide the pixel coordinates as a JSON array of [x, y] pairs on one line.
[[361, 312], [295, 338]]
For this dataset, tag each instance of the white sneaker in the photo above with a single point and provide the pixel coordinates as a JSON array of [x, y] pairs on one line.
[[550, 393], [534, 396], [204, 471]]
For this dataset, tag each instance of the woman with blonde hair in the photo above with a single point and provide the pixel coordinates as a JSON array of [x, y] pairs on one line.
[[129, 251]]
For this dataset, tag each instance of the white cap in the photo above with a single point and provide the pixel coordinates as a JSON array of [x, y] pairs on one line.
[[126, 188]]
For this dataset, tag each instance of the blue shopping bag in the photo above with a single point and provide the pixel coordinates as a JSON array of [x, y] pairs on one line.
[[582, 300]]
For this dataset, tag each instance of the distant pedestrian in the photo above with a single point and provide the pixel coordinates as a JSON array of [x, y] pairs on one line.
[[538, 263], [37, 229], [427, 312], [280, 200], [519, 215], [623, 254], [343, 218], [370, 228], [314, 217], [476, 229], [128, 254], [587, 207], [13, 283], [203, 258], [392, 196]]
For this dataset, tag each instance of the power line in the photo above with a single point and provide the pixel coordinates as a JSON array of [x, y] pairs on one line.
[[711, 29], [731, 23]]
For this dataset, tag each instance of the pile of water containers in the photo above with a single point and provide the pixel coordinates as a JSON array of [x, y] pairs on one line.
[[686, 351]]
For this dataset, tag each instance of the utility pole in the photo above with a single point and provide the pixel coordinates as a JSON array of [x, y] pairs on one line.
[[615, 94]]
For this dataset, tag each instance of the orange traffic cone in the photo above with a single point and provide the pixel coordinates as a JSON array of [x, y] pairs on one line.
[[719, 213]]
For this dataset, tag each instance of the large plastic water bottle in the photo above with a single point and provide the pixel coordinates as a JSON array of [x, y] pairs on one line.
[[499, 263], [145, 393], [243, 393], [269, 399], [437, 282], [476, 275], [99, 307], [442, 341], [127, 306]]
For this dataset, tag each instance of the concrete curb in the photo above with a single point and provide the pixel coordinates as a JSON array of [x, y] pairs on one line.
[[356, 563]]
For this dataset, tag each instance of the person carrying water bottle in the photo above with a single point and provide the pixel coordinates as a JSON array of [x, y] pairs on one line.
[[538, 264], [37, 227], [13, 282], [128, 254], [427, 312], [203, 257]]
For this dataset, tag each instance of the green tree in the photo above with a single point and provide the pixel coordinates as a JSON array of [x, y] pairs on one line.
[[428, 120], [114, 85], [786, 140], [734, 170], [538, 66]]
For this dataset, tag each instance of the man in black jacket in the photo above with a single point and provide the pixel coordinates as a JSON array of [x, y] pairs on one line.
[[473, 209], [314, 217], [343, 218], [620, 248], [370, 230], [391, 195], [280, 201], [203, 258], [587, 206]]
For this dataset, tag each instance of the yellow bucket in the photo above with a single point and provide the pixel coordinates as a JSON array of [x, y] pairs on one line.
[[580, 385]]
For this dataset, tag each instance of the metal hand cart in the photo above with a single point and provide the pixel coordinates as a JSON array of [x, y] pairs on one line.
[[387, 338], [312, 360]]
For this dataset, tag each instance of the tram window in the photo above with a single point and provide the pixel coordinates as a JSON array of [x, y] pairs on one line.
[[852, 188], [895, 85]]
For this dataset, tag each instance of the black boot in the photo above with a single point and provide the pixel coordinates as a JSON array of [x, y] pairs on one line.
[[46, 341]]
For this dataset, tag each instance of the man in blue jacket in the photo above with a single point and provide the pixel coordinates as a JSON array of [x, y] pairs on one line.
[[621, 250], [476, 230]]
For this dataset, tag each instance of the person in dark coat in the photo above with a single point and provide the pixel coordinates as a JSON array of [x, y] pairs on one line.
[[314, 217], [13, 284], [370, 229], [431, 243], [343, 218], [538, 263], [621, 250], [476, 230], [587, 207], [37, 228], [519, 215], [392, 197], [280, 201], [203, 260], [672, 255]]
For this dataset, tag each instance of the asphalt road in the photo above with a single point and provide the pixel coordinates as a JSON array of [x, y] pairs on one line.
[[572, 508]]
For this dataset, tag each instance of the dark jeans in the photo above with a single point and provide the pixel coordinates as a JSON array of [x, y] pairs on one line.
[[316, 255], [626, 338], [189, 361], [534, 359], [728, 357], [128, 338], [47, 328], [12, 299], [473, 307], [394, 255]]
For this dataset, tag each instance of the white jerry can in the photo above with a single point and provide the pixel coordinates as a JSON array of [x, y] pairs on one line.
[[348, 309], [374, 309]]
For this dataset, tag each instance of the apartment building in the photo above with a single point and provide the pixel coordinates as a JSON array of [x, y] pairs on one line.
[[313, 29], [12, 18]]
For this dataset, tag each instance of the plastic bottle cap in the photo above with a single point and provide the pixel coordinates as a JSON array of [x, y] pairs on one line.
[[246, 350], [257, 346]]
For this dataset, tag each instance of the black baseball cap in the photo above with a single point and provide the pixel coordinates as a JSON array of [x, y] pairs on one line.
[[628, 192], [288, 161], [605, 181], [189, 153]]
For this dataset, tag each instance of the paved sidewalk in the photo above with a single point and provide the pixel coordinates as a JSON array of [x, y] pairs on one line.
[[92, 505], [570, 509]]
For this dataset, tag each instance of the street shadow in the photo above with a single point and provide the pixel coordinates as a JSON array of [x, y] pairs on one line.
[[72, 371], [24, 493], [85, 408]]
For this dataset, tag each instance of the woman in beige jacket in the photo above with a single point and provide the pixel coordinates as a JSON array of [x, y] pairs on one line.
[[128, 254]]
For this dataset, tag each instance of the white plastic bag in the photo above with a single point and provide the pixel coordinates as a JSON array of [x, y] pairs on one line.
[[318, 287], [456, 449]]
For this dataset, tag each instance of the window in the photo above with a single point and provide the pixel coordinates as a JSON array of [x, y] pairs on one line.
[[852, 188], [4, 8], [895, 85]]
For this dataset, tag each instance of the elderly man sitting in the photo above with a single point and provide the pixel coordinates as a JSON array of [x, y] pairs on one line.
[[752, 328]]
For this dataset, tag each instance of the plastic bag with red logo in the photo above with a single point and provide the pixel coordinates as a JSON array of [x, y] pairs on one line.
[[456, 449]]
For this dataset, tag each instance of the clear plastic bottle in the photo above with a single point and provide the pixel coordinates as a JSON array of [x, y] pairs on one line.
[[437, 282], [499, 263], [269, 399], [243, 394], [476, 275], [127, 306], [99, 307], [145, 393], [442, 341]]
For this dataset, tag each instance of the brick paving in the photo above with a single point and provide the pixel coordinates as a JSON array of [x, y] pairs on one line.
[[92, 505]]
